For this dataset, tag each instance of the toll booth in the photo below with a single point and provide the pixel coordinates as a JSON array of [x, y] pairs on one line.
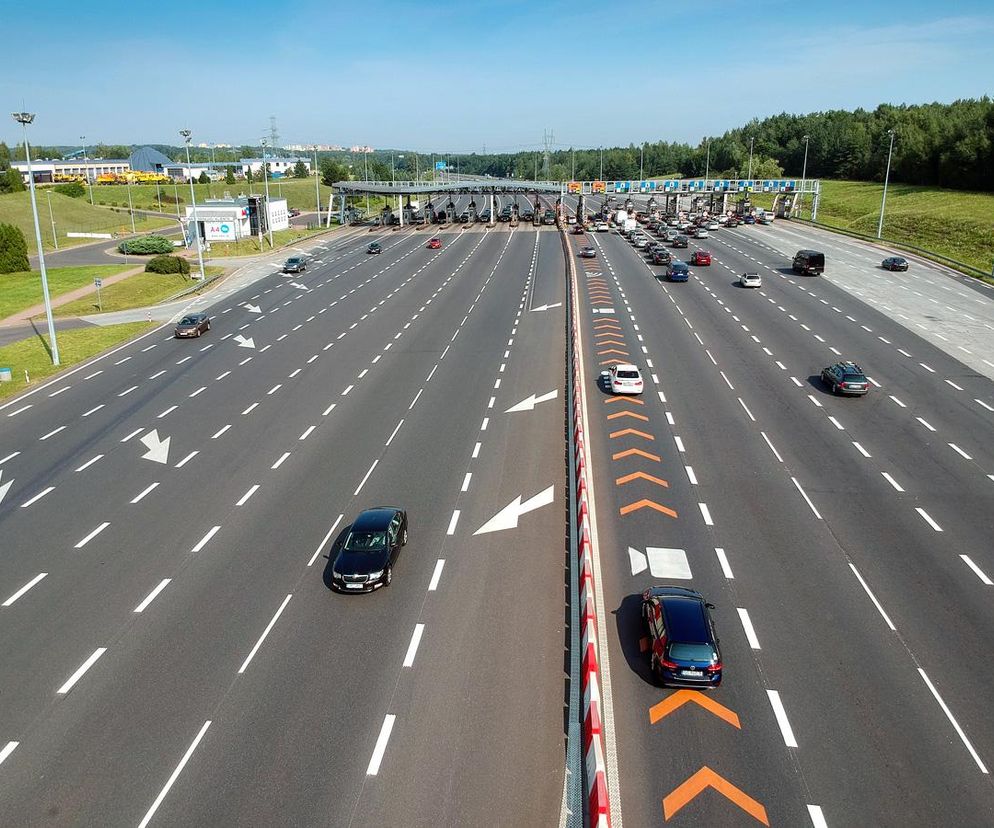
[[387, 217], [450, 212], [472, 211], [430, 213], [410, 214], [537, 213]]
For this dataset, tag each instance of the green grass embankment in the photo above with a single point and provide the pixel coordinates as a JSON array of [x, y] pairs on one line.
[[19, 291]]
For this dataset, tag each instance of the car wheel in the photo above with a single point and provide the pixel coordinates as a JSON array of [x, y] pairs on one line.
[[208, 324], [388, 576], [199, 332]]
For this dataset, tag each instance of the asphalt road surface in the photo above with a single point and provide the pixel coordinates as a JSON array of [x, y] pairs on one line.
[[172, 652]]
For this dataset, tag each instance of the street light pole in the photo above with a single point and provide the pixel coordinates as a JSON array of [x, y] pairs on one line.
[[804, 169], [883, 201], [86, 169], [641, 162], [707, 164], [185, 133], [317, 184], [51, 217], [602, 165], [572, 174], [749, 174], [25, 118], [265, 179], [131, 208]]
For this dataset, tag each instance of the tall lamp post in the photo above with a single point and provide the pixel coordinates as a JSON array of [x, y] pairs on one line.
[[749, 174], [86, 169], [707, 164], [883, 201], [265, 179], [317, 184], [602, 165], [25, 118], [641, 162], [804, 169], [185, 133]]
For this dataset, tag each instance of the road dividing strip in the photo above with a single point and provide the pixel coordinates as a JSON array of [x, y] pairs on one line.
[[602, 800], [175, 775]]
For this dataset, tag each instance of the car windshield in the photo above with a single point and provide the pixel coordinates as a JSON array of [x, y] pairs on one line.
[[293, 261], [628, 374], [853, 378], [366, 542], [693, 652], [188, 320]]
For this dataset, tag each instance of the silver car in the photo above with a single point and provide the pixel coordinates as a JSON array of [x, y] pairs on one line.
[[751, 280]]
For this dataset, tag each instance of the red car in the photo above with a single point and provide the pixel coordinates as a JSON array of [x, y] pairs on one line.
[[700, 257], [435, 243]]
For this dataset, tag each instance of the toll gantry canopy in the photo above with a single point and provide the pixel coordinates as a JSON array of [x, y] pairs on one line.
[[461, 186]]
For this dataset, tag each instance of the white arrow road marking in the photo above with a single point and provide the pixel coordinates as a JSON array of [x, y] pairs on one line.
[[668, 563], [4, 487], [603, 310], [528, 403], [638, 560], [158, 450], [547, 307], [252, 308], [300, 286], [507, 518], [243, 342]]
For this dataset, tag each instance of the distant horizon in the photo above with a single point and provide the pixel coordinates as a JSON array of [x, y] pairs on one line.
[[495, 76]]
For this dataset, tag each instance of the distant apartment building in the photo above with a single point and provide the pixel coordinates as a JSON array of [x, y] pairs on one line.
[[312, 147], [358, 148]]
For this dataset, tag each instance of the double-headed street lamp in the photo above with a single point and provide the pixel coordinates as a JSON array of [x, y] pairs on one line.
[[195, 225], [25, 118], [749, 174], [317, 184], [265, 179], [883, 201], [707, 164], [804, 169]]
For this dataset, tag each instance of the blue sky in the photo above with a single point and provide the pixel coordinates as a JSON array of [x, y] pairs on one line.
[[453, 77]]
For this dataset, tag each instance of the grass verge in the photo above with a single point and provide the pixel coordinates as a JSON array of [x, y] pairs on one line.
[[23, 290], [138, 291], [75, 346], [250, 247]]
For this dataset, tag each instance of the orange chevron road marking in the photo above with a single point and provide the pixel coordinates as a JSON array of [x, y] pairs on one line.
[[606, 334], [611, 342], [707, 778], [625, 431], [631, 414], [633, 452], [612, 351], [647, 504], [628, 478], [623, 400], [681, 697]]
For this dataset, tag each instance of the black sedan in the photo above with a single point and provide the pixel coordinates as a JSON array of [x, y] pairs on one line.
[[193, 324], [680, 241], [374, 247], [369, 553], [894, 263]]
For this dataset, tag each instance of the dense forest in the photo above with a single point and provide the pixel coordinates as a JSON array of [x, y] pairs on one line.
[[942, 145]]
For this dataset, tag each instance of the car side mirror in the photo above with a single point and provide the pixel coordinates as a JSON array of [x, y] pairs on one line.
[[709, 605]]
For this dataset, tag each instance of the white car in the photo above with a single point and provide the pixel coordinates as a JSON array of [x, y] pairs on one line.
[[601, 227], [625, 379], [751, 280], [701, 233], [641, 242], [713, 225], [722, 219]]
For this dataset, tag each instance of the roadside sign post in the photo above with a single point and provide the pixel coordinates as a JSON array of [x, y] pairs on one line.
[[99, 283]]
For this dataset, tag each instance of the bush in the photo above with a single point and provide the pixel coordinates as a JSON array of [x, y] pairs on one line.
[[13, 250], [167, 264], [147, 246], [73, 189]]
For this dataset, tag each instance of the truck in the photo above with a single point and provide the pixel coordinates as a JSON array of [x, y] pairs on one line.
[[621, 217], [629, 225]]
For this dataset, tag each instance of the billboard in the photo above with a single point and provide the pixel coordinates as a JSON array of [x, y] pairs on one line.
[[598, 187], [573, 187]]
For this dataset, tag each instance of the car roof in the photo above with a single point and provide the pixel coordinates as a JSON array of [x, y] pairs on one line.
[[625, 366], [374, 519], [685, 618]]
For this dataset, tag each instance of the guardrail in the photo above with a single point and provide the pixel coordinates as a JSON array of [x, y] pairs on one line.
[[969, 270], [194, 288]]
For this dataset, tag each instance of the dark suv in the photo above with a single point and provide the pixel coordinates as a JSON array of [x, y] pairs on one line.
[[295, 264], [845, 378], [367, 558], [808, 262], [374, 247], [683, 647]]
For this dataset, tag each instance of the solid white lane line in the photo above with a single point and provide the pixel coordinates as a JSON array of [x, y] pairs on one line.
[[307, 433], [781, 713], [465, 482], [325, 540], [137, 498], [265, 632], [37, 497], [873, 598], [33, 582], [52, 433], [92, 535], [412, 648], [706, 514], [436, 576], [8, 749], [953, 722], [151, 596], [187, 459], [89, 463], [206, 538], [928, 519], [245, 497], [892, 481], [86, 665], [960, 451], [772, 447], [394, 434], [175, 775], [452, 523], [363, 482], [749, 630], [969, 562], [861, 450], [381, 746], [806, 498]]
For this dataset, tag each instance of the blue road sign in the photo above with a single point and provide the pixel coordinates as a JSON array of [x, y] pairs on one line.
[[441, 165]]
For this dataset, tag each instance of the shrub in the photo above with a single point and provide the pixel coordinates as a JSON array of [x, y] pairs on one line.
[[167, 264], [146, 246], [73, 189], [13, 250]]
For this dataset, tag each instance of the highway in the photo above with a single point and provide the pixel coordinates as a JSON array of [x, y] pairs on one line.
[[845, 542], [172, 652]]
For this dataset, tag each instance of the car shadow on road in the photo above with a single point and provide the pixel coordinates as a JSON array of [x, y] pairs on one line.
[[332, 553], [631, 634], [816, 382]]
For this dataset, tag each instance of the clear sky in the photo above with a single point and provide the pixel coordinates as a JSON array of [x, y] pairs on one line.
[[452, 77]]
